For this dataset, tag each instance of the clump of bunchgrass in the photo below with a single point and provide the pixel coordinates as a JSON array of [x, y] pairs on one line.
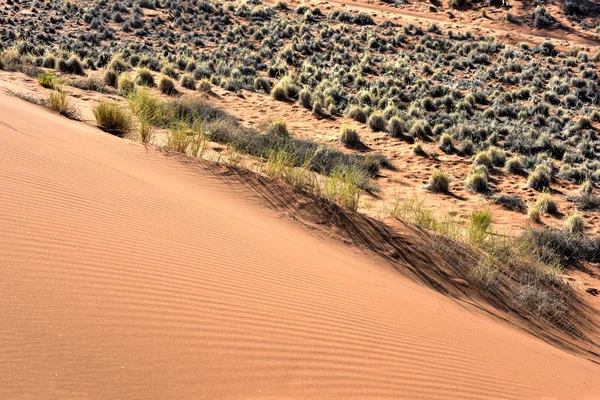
[[112, 118], [349, 136], [439, 182], [48, 80]]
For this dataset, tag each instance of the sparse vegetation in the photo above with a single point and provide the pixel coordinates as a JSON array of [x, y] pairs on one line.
[[111, 117], [349, 136], [439, 182]]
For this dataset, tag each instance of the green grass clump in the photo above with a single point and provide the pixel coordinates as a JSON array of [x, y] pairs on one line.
[[574, 224], [48, 80], [148, 107], [514, 165], [477, 180], [111, 118], [204, 85], [376, 122], [166, 85], [349, 136], [479, 225], [539, 179], [439, 182], [277, 127], [58, 101], [188, 81], [144, 77], [546, 204], [125, 85]]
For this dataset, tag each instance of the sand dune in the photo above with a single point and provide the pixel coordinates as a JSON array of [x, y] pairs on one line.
[[127, 274]]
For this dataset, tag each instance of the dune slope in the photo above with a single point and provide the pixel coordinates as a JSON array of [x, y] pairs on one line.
[[128, 274]]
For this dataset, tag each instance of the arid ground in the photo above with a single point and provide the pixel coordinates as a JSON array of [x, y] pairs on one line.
[[269, 200]]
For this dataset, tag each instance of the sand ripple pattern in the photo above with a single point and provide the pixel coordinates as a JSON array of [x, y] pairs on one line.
[[125, 274]]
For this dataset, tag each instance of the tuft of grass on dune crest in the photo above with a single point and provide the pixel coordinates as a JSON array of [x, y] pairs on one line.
[[525, 269], [111, 117], [48, 80]]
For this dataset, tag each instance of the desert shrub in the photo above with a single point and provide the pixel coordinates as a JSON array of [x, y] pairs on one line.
[[439, 182], [546, 204], [144, 77], [48, 80], [317, 108], [58, 101], [574, 224], [542, 18], [277, 127], [49, 62], [512, 203], [357, 113], [477, 180], [349, 136], [145, 132], [111, 78], [534, 213], [446, 143], [420, 129], [166, 85], [467, 147], [125, 85], [514, 165], [560, 244], [458, 3], [188, 81], [396, 127], [118, 65], [479, 226], [278, 92], [376, 122], [111, 118], [204, 85], [418, 149], [483, 158], [587, 187], [262, 84], [497, 157], [71, 66], [305, 98], [539, 179]]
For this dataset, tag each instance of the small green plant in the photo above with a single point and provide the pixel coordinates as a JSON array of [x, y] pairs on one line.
[[396, 127], [546, 204], [111, 118], [188, 81], [418, 149], [534, 213], [446, 143], [479, 225], [277, 127], [376, 122], [204, 85], [539, 179], [178, 138], [166, 85], [278, 92], [349, 136], [48, 80], [58, 101], [514, 165], [144, 77], [145, 132], [125, 85], [477, 180], [574, 224], [439, 182]]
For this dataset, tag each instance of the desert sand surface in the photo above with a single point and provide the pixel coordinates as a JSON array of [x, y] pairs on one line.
[[127, 273]]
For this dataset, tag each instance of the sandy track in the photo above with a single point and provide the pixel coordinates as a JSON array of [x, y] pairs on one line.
[[127, 274]]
